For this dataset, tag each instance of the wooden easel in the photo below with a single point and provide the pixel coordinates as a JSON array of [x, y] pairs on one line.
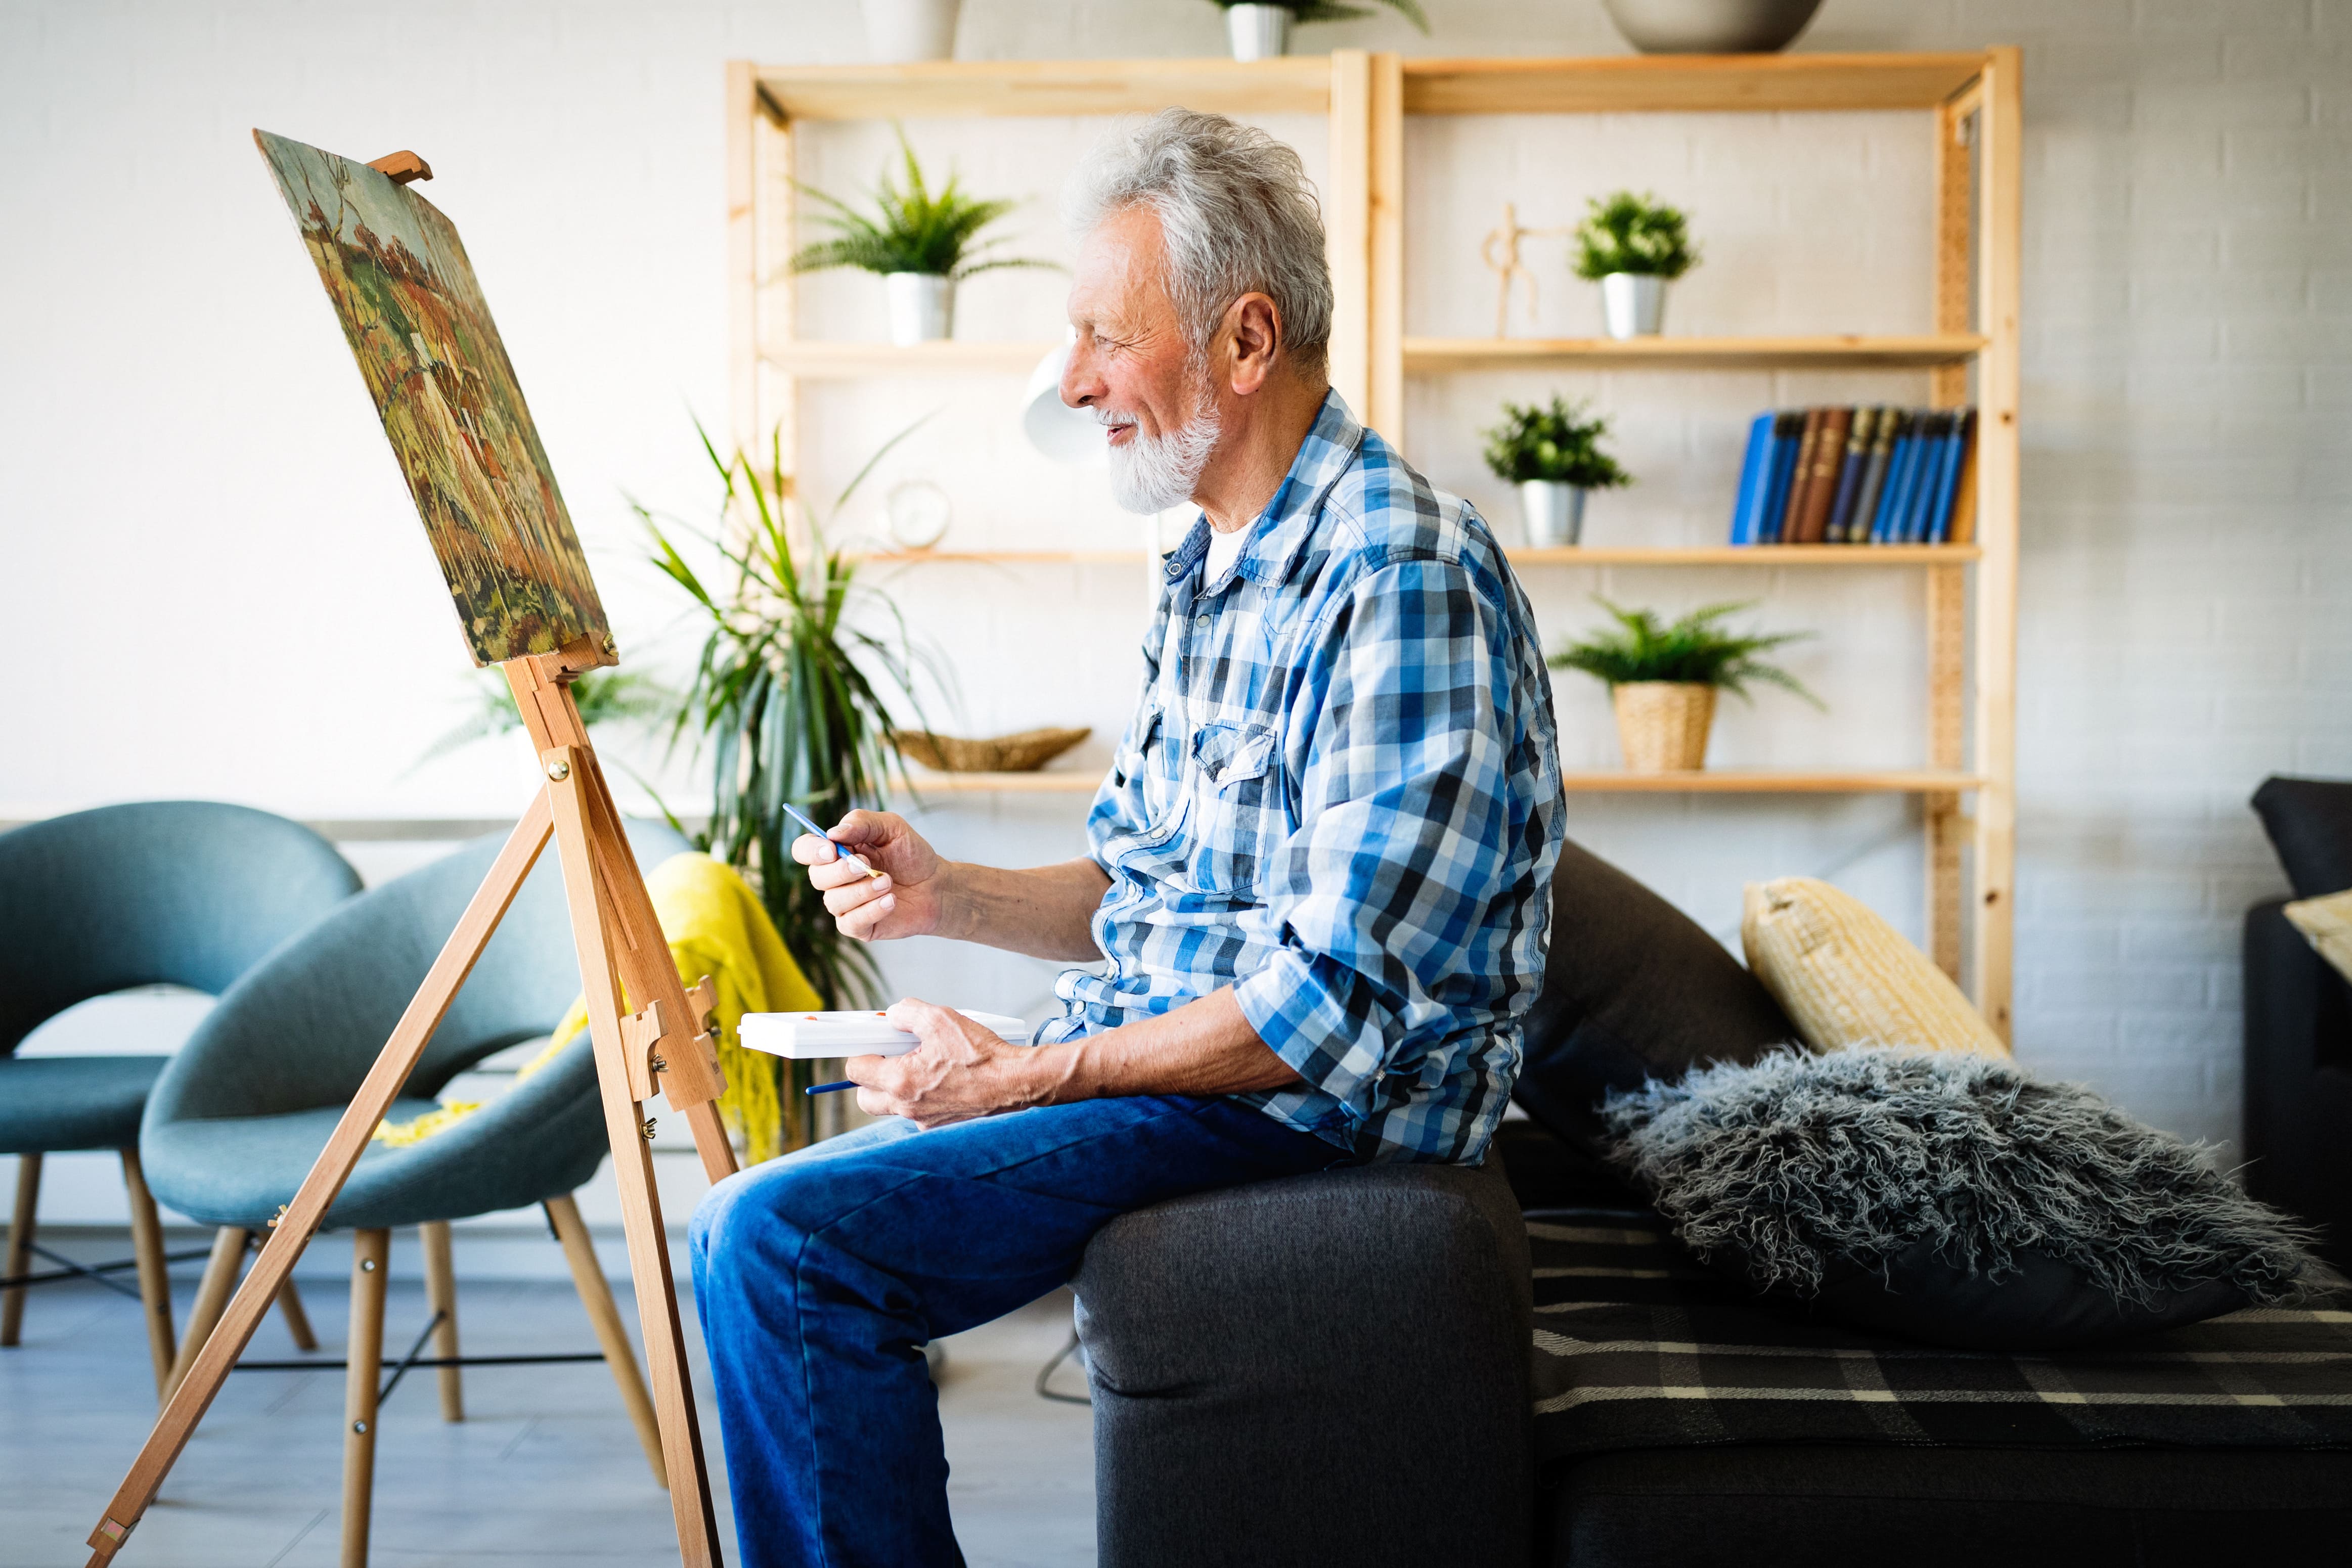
[[663, 1049]]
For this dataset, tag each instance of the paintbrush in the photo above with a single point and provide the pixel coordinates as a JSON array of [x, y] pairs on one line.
[[797, 815]]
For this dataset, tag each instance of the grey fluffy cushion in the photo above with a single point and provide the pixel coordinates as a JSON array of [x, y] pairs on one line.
[[1947, 1195]]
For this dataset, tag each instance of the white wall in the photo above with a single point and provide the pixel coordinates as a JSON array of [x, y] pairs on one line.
[[210, 582]]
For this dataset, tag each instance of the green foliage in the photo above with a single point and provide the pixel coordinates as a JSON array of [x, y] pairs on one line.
[[1626, 232], [782, 698], [1324, 11], [602, 696], [1695, 648], [1555, 444], [917, 231]]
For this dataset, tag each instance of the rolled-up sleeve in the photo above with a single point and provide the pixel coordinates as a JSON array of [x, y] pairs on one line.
[[1399, 748]]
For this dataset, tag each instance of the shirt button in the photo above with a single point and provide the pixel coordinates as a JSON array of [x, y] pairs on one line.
[[1201, 622]]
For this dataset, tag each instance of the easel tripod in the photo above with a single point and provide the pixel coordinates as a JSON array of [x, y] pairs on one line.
[[662, 1049]]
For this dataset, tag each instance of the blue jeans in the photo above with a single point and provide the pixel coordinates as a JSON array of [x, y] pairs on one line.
[[820, 1276]]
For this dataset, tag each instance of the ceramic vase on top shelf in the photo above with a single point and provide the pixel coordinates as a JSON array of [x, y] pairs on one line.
[[1663, 724], [1554, 512], [1258, 32], [922, 306], [901, 30], [1633, 304]]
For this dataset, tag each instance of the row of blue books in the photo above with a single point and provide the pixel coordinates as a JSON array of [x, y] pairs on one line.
[[1858, 475]]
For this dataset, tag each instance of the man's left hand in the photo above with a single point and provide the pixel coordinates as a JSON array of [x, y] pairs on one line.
[[960, 1071]]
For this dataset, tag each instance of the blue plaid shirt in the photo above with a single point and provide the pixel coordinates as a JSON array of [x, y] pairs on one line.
[[1340, 797]]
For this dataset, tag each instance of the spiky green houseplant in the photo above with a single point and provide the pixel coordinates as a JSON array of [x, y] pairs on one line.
[[789, 696], [1696, 650], [1638, 235], [913, 229], [1557, 444]]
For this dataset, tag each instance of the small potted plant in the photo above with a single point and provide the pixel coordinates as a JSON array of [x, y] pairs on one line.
[[1633, 246], [1553, 455], [920, 243], [901, 30], [1663, 677], [1259, 32]]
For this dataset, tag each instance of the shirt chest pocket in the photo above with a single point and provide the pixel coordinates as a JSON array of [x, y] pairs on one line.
[[1239, 817]]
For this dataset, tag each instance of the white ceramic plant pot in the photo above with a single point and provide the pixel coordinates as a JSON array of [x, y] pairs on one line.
[[1633, 304], [922, 306], [902, 30], [1554, 512], [1258, 32]]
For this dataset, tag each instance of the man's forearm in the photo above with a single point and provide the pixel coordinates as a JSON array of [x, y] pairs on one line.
[[1045, 913], [1205, 1047]]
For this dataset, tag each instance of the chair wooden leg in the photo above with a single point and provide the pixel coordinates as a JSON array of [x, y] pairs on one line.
[[154, 1274], [441, 1296], [297, 1320], [213, 1291], [612, 1334], [371, 1258], [20, 1245]]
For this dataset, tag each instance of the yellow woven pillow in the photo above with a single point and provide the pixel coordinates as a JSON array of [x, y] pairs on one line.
[[2326, 924], [1845, 977]]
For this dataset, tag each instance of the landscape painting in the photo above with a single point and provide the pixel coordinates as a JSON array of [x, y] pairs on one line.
[[421, 330]]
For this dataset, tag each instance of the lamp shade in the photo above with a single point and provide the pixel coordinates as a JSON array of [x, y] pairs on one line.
[[1063, 433]]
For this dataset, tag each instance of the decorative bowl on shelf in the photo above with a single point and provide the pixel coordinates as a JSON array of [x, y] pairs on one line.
[[1710, 26], [1023, 753]]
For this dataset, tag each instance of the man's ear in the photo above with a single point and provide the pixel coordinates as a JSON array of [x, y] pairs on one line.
[[1252, 336]]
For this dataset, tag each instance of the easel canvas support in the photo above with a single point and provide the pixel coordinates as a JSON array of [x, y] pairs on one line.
[[660, 1049]]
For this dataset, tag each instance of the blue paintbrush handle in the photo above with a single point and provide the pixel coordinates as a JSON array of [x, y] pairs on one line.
[[829, 1088]]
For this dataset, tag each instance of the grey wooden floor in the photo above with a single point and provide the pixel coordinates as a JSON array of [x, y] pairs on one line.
[[543, 1469]]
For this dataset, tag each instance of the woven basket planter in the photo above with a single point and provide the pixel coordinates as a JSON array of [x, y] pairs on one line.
[[1663, 724], [1023, 753]]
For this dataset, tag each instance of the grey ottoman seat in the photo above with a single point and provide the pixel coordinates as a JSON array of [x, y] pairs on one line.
[[1324, 1369]]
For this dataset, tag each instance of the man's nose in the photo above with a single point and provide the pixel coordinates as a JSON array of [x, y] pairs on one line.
[[1081, 386]]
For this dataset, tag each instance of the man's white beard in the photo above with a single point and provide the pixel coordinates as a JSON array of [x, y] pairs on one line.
[[1153, 473]]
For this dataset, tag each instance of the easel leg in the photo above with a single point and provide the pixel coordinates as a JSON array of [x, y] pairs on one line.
[[605, 1317], [690, 1482], [441, 1296], [154, 1276], [229, 1243], [298, 1318], [200, 1378], [363, 1358], [20, 1245]]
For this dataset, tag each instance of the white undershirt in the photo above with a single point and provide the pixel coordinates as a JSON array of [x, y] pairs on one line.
[[1224, 548]]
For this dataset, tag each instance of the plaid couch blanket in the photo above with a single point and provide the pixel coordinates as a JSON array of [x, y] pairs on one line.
[[1638, 1345]]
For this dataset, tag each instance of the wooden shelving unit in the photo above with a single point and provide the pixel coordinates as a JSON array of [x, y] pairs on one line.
[[1969, 105]]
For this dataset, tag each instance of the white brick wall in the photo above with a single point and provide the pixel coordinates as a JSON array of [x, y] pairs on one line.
[[185, 460]]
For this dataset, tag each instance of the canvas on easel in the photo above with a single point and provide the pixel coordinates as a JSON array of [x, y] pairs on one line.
[[421, 330]]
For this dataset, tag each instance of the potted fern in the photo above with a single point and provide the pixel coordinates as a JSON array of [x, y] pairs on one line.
[[1553, 455], [1633, 246], [1258, 32], [920, 243], [1663, 677]]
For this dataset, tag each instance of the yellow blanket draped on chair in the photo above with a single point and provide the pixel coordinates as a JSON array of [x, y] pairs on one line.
[[717, 926]]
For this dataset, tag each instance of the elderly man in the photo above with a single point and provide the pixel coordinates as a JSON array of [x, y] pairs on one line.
[[1312, 911]]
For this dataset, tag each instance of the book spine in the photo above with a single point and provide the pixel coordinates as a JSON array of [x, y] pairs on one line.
[[1829, 456], [1857, 459], [1898, 475], [1961, 527], [1801, 478], [1787, 430], [1754, 469], [1873, 478], [1946, 434]]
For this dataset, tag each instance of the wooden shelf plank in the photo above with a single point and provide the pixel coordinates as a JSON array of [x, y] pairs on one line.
[[948, 357], [1768, 556], [1621, 84], [1612, 781], [1748, 555], [1832, 350], [1296, 84]]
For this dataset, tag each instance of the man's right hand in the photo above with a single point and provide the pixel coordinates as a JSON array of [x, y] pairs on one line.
[[904, 901]]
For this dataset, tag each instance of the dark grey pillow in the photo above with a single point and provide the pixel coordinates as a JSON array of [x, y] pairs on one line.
[[2309, 822], [1948, 1196], [1633, 990]]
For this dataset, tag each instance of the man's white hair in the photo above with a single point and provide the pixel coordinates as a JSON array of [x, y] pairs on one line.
[[1237, 214]]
